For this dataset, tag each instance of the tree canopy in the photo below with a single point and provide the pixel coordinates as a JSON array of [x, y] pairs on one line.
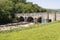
[[8, 8]]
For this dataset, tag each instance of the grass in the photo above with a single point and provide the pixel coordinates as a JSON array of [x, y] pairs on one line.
[[49, 31]]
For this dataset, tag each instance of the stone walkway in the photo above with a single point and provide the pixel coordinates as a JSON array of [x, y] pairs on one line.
[[9, 26]]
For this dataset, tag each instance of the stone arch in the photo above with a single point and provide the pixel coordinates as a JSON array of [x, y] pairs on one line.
[[21, 19], [49, 20], [39, 20], [30, 19]]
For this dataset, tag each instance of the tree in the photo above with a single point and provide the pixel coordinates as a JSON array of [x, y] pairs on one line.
[[18, 1], [8, 8], [20, 7], [5, 7]]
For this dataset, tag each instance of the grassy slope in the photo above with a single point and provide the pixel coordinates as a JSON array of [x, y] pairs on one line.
[[49, 31]]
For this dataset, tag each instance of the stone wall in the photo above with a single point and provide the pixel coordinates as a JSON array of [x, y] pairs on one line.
[[44, 15]]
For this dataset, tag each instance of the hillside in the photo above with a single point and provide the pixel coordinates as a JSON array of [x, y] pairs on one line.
[[49, 31]]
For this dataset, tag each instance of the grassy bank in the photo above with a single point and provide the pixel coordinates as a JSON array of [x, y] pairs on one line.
[[49, 31]]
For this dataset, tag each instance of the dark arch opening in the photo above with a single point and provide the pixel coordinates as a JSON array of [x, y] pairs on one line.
[[49, 20], [21, 19], [30, 19], [39, 20]]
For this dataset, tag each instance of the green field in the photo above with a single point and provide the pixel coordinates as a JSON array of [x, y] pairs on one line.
[[49, 31]]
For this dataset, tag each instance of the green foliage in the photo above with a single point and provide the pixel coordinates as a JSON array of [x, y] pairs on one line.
[[28, 7], [18, 1], [8, 8], [5, 14]]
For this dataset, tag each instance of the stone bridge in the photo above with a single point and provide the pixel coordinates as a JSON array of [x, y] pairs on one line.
[[38, 17]]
